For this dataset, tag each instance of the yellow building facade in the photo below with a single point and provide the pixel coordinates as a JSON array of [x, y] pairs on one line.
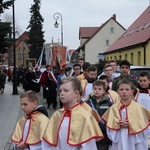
[[137, 56]]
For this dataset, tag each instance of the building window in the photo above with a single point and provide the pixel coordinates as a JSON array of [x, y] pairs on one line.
[[112, 30], [132, 58], [25, 56], [107, 43], [126, 57], [147, 25], [139, 58], [120, 57], [101, 56], [19, 56]]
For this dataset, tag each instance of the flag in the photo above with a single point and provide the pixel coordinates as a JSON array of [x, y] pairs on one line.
[[48, 53], [39, 62]]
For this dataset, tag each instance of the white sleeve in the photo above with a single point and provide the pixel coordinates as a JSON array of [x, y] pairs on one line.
[[113, 135], [90, 145], [36, 147], [46, 146]]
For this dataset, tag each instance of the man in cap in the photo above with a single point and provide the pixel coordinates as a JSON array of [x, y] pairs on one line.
[[49, 84]]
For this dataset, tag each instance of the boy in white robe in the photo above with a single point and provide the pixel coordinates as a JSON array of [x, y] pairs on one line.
[[113, 95], [143, 94], [30, 127], [72, 127], [127, 121]]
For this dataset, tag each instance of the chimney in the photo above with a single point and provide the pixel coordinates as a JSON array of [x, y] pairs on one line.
[[114, 16]]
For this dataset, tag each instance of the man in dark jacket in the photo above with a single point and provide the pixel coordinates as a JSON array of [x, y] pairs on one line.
[[125, 70]]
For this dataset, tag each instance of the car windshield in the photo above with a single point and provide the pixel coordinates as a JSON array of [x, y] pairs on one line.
[[136, 71]]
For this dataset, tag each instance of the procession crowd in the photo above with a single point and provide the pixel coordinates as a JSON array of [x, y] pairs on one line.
[[110, 111]]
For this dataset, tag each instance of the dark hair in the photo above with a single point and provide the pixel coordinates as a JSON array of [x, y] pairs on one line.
[[81, 59], [68, 68], [92, 68], [76, 84], [31, 95], [145, 74], [77, 65], [125, 62], [86, 65], [99, 83], [103, 77]]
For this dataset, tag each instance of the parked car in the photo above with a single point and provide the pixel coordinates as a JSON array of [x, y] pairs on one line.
[[136, 70]]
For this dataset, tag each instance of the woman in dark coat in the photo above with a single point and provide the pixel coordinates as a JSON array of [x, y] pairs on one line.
[[2, 80], [30, 79]]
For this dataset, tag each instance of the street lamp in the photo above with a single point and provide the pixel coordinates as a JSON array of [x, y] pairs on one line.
[[56, 16], [15, 90], [23, 54]]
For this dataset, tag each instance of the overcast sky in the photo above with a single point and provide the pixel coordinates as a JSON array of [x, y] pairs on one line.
[[76, 14]]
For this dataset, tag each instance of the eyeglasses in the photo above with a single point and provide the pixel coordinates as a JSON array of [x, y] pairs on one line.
[[76, 68], [108, 70]]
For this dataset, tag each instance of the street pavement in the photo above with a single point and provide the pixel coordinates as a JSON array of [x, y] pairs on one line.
[[10, 112]]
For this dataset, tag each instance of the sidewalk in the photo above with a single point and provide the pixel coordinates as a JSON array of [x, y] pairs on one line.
[[9, 111]]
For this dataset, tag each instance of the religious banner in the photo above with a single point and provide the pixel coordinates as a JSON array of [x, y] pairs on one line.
[[48, 54], [58, 56]]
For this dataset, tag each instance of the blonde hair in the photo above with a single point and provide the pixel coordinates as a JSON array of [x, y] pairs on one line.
[[31, 95], [76, 84], [125, 81]]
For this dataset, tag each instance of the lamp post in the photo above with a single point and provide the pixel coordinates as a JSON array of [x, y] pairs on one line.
[[23, 54], [15, 90], [56, 16]]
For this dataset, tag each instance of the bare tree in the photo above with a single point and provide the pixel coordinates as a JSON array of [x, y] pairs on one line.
[[8, 18]]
